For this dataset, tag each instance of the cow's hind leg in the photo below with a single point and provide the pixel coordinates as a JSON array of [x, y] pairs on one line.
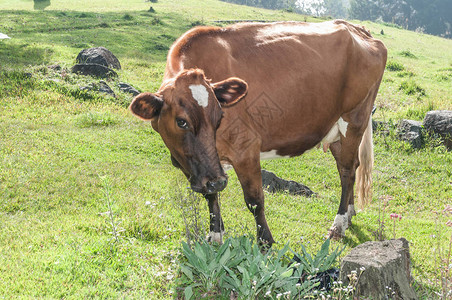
[[216, 222], [346, 152]]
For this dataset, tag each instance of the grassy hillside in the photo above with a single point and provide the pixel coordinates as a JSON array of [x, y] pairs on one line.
[[66, 155]]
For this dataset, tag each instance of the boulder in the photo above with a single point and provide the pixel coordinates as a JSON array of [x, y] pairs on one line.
[[99, 55], [127, 88], [439, 122], [386, 270], [273, 183], [95, 70], [101, 87], [411, 132]]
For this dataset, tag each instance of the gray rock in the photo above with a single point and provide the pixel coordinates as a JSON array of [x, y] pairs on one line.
[[387, 272], [95, 70], [105, 88], [411, 132], [273, 184], [98, 55], [127, 88], [101, 87], [439, 122]]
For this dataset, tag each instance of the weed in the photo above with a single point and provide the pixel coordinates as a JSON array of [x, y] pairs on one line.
[[238, 267], [379, 234], [407, 53], [443, 256], [91, 119], [112, 220], [394, 66], [188, 203], [405, 74], [127, 17], [394, 217], [410, 87]]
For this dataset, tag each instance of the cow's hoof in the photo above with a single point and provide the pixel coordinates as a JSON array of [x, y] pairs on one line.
[[335, 234], [350, 213]]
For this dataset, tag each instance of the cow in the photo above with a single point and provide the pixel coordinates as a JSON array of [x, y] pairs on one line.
[[235, 95]]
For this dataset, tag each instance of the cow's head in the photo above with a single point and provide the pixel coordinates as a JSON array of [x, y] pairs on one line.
[[186, 112]]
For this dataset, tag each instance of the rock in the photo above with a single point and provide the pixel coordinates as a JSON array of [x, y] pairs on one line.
[[273, 183], [101, 87], [439, 122], [411, 132], [98, 55], [387, 270], [127, 88], [380, 126], [105, 88], [55, 67], [94, 70]]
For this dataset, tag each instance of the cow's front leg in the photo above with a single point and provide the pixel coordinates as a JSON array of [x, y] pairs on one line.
[[216, 223], [249, 174]]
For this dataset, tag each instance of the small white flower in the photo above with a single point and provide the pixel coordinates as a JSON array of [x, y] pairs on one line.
[[362, 269], [268, 293], [147, 203]]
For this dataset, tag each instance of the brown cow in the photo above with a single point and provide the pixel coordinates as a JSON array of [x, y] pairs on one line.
[[232, 96]]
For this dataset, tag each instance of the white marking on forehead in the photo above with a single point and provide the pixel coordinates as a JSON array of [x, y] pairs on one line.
[[271, 154], [200, 94]]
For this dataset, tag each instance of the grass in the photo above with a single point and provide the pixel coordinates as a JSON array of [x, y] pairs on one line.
[[57, 143]]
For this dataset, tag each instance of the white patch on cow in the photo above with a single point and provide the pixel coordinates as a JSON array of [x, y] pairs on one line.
[[226, 167], [271, 155], [351, 210], [200, 94], [215, 237], [342, 126], [332, 135], [340, 223]]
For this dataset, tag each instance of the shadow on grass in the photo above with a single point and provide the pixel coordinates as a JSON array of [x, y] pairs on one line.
[[356, 235], [41, 4], [18, 55]]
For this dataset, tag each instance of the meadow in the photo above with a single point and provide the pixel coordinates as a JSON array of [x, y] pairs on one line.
[[73, 163]]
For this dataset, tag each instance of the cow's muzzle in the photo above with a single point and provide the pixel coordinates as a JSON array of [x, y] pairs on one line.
[[211, 186]]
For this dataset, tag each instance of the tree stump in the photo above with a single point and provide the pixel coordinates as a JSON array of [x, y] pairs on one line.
[[386, 272]]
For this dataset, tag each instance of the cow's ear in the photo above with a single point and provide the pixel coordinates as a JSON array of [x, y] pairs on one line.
[[146, 106], [230, 91]]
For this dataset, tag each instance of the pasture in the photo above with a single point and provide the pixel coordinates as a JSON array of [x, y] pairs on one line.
[[73, 163]]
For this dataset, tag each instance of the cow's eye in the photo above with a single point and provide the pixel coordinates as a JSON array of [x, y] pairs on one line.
[[182, 123]]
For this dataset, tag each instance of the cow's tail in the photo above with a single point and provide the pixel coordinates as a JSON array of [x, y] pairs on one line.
[[364, 171]]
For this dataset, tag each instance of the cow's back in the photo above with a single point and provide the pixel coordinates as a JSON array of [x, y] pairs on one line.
[[295, 71]]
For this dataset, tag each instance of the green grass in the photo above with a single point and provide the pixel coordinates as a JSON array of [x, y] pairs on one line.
[[57, 143]]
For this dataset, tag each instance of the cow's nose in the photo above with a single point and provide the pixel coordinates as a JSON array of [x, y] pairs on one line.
[[214, 186]]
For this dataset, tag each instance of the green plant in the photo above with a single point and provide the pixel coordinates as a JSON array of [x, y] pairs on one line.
[[239, 266], [394, 66], [407, 53], [321, 262], [96, 119], [443, 254], [410, 87], [112, 220]]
